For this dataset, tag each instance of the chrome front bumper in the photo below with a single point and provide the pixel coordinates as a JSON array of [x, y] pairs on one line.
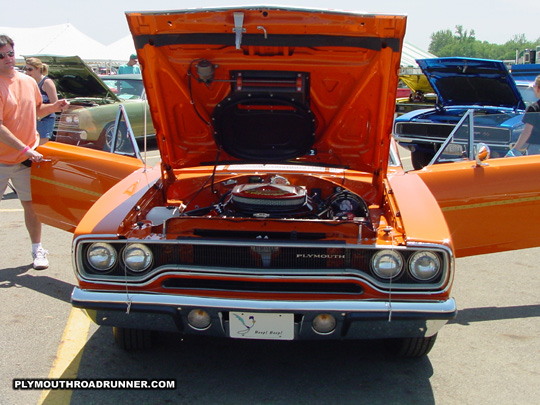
[[355, 319]]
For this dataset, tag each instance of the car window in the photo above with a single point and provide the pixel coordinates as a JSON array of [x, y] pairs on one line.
[[458, 144], [527, 93], [95, 127], [471, 131], [126, 89]]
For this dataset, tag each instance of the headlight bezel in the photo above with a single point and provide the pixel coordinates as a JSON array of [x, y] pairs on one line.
[[148, 259], [390, 253], [425, 253], [112, 257], [70, 119]]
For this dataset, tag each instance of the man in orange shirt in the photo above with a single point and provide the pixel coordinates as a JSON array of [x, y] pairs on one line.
[[20, 105]]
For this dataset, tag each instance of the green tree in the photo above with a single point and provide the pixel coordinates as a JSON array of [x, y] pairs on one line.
[[439, 40], [460, 43], [463, 36], [463, 42]]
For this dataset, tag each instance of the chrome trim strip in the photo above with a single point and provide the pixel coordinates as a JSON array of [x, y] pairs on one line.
[[341, 274], [112, 238], [437, 308], [171, 271]]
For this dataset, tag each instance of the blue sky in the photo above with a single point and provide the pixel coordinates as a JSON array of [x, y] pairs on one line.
[[496, 21]]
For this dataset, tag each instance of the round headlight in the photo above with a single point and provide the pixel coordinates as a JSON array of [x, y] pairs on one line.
[[425, 266], [101, 256], [137, 257], [387, 264]]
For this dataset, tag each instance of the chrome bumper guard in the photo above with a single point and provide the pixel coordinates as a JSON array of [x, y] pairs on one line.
[[355, 319]]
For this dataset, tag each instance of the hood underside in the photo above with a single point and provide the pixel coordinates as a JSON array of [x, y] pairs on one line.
[[270, 84], [468, 81], [417, 82], [74, 79]]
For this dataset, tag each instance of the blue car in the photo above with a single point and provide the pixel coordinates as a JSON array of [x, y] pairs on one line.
[[462, 84]]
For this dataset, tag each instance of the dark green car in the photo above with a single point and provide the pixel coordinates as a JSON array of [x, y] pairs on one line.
[[94, 103]]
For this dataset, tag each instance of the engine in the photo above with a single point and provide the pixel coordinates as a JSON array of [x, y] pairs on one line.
[[268, 200], [275, 197]]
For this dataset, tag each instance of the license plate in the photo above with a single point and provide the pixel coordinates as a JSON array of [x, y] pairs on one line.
[[250, 325]]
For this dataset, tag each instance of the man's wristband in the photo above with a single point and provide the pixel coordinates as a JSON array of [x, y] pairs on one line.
[[26, 149]]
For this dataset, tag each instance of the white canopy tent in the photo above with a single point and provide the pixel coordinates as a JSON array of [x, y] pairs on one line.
[[62, 39], [122, 48]]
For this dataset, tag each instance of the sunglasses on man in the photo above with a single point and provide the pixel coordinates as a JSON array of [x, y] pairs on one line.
[[8, 53]]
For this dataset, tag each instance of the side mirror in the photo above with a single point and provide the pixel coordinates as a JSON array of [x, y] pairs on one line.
[[481, 153]]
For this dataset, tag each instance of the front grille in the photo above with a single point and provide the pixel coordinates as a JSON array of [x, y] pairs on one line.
[[323, 267], [277, 258], [492, 135], [439, 132], [57, 116], [261, 257], [424, 130]]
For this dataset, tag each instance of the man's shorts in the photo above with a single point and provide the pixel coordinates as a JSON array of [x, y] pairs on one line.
[[19, 175]]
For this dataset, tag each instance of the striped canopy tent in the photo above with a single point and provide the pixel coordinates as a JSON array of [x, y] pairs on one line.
[[409, 55]]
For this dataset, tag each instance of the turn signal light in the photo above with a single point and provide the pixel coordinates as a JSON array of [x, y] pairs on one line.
[[324, 324], [199, 319]]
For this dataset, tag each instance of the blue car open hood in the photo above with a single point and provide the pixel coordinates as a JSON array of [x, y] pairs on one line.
[[469, 81]]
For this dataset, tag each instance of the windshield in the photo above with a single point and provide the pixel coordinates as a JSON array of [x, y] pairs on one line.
[[527, 93], [126, 89]]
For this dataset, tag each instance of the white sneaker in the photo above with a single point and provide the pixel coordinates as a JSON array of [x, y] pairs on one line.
[[40, 259]]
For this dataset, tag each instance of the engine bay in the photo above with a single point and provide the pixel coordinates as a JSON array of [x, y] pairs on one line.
[[268, 196]]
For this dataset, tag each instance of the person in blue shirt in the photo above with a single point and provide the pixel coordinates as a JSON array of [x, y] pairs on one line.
[[130, 67]]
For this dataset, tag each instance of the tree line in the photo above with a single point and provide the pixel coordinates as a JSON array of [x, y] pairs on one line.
[[464, 43]]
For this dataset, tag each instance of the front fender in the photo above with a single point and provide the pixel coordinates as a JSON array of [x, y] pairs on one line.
[[107, 214], [422, 218]]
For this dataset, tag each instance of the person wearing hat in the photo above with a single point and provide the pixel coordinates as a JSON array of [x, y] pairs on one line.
[[130, 67]]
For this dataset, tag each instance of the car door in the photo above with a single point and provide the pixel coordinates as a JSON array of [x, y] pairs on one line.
[[72, 178], [489, 207]]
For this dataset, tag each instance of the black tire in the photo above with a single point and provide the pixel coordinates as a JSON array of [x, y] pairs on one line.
[[108, 133], [412, 347], [419, 159], [133, 339]]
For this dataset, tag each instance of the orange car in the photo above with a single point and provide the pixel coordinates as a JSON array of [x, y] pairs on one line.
[[279, 210]]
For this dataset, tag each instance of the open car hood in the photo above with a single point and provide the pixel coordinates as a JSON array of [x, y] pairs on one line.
[[270, 84], [74, 79], [468, 81], [417, 82]]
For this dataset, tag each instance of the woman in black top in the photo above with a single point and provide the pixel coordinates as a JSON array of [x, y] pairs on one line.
[[529, 139]]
